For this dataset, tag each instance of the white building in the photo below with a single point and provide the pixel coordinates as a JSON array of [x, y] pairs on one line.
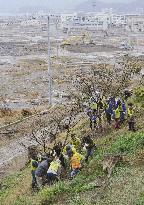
[[68, 17], [135, 23], [101, 21], [85, 21], [118, 20]]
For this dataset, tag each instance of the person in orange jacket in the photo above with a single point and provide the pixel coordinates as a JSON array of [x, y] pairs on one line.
[[75, 161]]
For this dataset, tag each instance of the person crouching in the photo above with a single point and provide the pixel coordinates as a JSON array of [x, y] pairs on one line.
[[54, 171], [41, 172]]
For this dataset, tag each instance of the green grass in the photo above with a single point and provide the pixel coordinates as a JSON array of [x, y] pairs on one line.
[[125, 144], [14, 186], [140, 201], [128, 144]]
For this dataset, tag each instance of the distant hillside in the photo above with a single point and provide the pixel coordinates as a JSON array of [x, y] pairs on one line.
[[33, 9], [66, 5], [119, 7]]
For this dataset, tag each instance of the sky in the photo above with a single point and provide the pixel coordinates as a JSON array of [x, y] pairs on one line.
[[9, 5]]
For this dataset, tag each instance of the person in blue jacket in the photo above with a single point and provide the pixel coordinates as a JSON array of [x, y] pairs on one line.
[[123, 113], [109, 110]]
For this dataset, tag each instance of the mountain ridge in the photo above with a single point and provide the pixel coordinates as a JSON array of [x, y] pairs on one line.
[[67, 6], [118, 7]]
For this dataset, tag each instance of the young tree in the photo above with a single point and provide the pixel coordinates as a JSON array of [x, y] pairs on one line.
[[46, 129], [109, 80]]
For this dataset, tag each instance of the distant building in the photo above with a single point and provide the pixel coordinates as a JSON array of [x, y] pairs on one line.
[[102, 21], [118, 20], [85, 21], [135, 23]]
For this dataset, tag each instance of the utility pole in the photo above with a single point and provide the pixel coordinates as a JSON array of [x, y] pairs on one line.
[[57, 54], [49, 65], [57, 51]]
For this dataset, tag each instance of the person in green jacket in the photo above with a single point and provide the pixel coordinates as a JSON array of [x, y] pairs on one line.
[[34, 165], [76, 142], [131, 120], [94, 106], [117, 118]]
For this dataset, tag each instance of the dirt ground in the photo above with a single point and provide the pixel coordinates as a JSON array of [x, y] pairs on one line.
[[92, 48]]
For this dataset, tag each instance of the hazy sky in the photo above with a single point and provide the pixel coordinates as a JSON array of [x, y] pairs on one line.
[[9, 5], [22, 2], [117, 0]]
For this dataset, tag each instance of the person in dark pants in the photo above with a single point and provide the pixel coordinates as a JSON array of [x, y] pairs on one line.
[[108, 116], [58, 150], [93, 120], [109, 111], [41, 172], [117, 117], [131, 120], [53, 171], [132, 125], [34, 165], [94, 106], [123, 113], [90, 146]]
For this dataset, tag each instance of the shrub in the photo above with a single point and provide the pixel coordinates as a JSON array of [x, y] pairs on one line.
[[26, 113], [139, 93]]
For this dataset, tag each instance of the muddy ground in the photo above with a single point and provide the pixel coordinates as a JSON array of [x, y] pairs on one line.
[[90, 48]]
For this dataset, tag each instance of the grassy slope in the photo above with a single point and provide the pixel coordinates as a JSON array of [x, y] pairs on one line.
[[91, 186]]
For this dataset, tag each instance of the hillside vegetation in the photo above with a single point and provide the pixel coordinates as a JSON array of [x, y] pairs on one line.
[[125, 186], [91, 186]]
